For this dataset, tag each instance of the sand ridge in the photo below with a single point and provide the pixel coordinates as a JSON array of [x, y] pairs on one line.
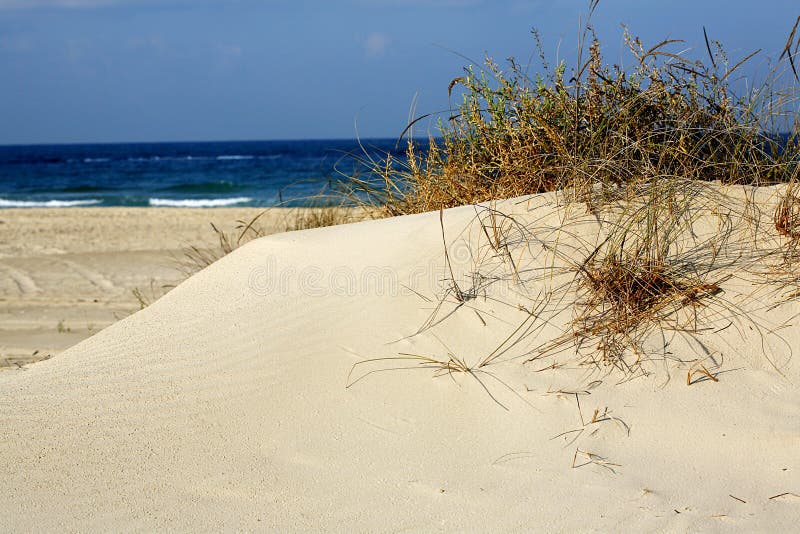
[[224, 405], [68, 273]]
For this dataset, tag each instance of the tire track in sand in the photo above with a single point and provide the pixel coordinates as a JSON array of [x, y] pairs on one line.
[[24, 283], [95, 278]]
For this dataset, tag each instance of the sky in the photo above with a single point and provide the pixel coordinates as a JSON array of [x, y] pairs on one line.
[[75, 71]]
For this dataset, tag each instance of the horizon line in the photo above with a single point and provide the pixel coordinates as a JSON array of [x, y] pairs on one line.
[[205, 141]]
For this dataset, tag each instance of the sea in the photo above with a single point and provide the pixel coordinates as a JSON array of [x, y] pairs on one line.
[[207, 174]]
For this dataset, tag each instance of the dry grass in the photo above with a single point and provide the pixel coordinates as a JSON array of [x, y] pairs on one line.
[[640, 148], [786, 220], [787, 223], [318, 214], [664, 268], [627, 296], [307, 218], [787, 215], [596, 130], [449, 366], [197, 257]]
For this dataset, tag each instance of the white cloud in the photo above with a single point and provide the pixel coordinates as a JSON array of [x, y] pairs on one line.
[[375, 44]]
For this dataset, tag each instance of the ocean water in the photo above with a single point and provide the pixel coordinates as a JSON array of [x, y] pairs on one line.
[[252, 173]]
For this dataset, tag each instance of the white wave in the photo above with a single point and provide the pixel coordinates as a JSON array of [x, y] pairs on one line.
[[198, 202], [150, 158], [169, 158], [234, 157], [96, 160], [46, 203]]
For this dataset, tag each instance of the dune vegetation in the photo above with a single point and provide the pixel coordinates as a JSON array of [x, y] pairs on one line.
[[658, 152], [675, 145], [598, 131], [318, 212]]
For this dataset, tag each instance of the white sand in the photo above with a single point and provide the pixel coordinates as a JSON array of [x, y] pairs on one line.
[[223, 406], [65, 274]]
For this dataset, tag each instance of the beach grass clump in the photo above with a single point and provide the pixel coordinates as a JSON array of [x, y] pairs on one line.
[[197, 257], [319, 216], [626, 296], [787, 215], [651, 265], [318, 212], [787, 221], [655, 152], [596, 129]]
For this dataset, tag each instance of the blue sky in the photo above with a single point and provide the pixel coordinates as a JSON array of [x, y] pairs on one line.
[[170, 70]]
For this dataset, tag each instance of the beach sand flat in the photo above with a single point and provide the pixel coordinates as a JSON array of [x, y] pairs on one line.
[[67, 273], [224, 406]]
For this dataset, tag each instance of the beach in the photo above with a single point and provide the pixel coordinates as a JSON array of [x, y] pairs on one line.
[[334, 379], [493, 278], [69, 273]]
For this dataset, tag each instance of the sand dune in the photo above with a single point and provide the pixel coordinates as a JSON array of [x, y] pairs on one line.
[[65, 274], [224, 405]]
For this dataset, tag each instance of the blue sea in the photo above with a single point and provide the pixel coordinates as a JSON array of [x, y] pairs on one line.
[[209, 174]]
